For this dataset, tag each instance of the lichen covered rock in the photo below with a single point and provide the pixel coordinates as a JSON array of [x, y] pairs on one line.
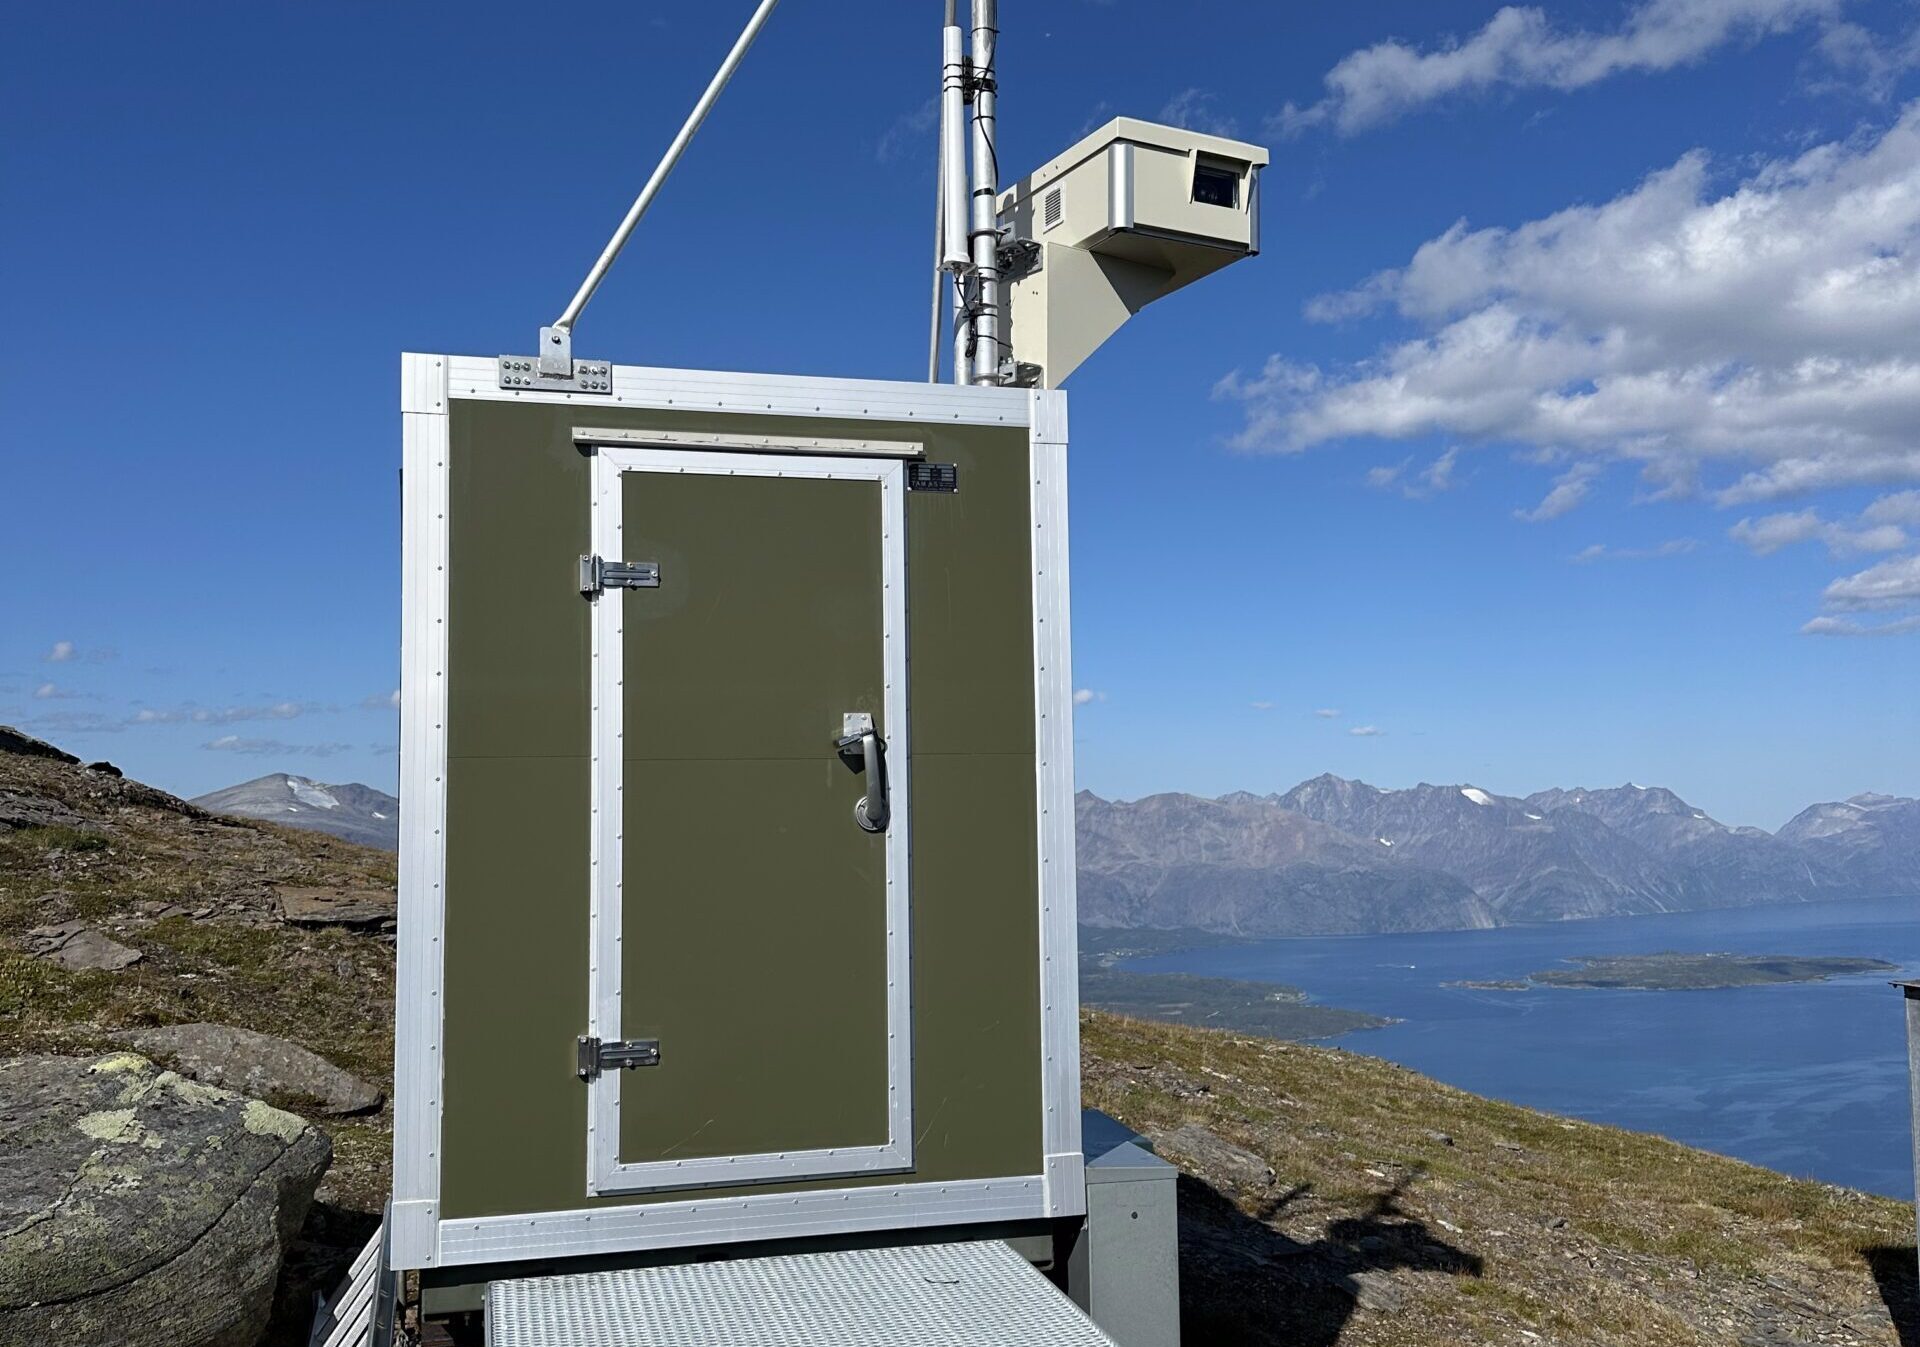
[[143, 1208]]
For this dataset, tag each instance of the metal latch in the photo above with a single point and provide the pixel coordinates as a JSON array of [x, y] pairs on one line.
[[597, 574], [622, 1054]]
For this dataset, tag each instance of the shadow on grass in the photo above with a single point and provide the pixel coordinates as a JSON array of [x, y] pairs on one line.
[[1242, 1282], [1894, 1271]]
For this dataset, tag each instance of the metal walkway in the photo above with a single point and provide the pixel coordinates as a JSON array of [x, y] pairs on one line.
[[935, 1295]]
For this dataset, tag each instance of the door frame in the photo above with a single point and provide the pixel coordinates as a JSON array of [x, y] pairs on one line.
[[667, 453]]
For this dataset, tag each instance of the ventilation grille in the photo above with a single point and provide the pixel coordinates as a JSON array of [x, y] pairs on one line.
[[1052, 209]]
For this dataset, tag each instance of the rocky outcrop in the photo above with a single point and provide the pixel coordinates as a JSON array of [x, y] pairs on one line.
[[355, 909], [260, 1065], [75, 945], [141, 1208], [26, 746]]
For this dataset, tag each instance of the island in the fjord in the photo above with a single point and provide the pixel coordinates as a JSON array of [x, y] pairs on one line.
[[1672, 971], [1266, 1008]]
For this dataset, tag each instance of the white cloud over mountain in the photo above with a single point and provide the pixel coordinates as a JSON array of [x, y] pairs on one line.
[[1520, 47], [1750, 342]]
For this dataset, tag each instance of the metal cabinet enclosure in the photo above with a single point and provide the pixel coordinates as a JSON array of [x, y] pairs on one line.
[[629, 813]]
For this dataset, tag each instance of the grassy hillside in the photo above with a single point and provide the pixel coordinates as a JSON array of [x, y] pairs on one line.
[[1402, 1212], [202, 898], [1397, 1211]]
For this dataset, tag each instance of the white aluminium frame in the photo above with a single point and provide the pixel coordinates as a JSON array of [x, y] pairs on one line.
[[420, 1236], [606, 1172]]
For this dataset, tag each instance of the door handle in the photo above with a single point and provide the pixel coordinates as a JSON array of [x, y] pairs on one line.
[[864, 751]]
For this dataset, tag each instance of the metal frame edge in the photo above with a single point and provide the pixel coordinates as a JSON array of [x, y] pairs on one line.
[[1053, 767], [421, 1238], [641, 386], [486, 1239], [606, 1174], [419, 972]]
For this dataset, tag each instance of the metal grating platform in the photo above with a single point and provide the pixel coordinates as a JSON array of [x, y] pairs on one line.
[[979, 1294]]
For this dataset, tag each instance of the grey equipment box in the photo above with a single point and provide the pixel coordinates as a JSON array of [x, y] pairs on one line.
[[1126, 1269]]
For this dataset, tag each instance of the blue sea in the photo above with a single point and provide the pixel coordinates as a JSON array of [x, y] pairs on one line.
[[1807, 1078]]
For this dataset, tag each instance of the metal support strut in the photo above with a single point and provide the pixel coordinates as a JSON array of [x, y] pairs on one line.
[[556, 341]]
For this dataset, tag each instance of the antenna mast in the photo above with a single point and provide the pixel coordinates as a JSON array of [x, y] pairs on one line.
[[986, 197], [970, 233]]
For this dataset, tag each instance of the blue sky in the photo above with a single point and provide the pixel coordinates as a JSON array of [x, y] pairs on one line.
[[1637, 277]]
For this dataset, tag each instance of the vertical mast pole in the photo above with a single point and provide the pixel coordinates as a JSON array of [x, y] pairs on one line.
[[986, 193], [951, 246]]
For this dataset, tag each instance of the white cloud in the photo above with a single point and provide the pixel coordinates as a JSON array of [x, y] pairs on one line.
[[1893, 583], [1840, 626], [234, 743], [66, 652], [1863, 63], [1328, 713], [1262, 706], [1673, 547], [1431, 480], [910, 129], [1082, 696], [1770, 533], [1748, 341], [1196, 110], [1569, 489], [224, 715], [49, 692], [381, 701], [1520, 48], [1366, 731], [1766, 329], [1902, 507]]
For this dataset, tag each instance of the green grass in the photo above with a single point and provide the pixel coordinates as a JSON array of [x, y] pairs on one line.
[[1576, 1232]]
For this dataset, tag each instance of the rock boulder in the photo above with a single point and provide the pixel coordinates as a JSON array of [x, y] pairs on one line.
[[142, 1208], [260, 1065], [75, 945]]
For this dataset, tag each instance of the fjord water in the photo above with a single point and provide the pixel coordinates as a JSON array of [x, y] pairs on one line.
[[1807, 1078]]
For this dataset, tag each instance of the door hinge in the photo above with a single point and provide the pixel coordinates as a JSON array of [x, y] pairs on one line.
[[622, 1054], [596, 575]]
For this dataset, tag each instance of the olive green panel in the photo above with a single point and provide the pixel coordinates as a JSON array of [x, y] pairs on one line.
[[766, 627], [970, 601], [754, 932], [755, 950], [976, 961], [515, 1131], [517, 626], [514, 1123]]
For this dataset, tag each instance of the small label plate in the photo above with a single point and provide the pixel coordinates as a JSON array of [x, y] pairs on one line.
[[933, 477]]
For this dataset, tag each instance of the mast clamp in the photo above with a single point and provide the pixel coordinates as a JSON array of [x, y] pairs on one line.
[[530, 372]]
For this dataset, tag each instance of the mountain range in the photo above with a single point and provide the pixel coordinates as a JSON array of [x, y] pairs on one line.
[[355, 812], [1338, 857]]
